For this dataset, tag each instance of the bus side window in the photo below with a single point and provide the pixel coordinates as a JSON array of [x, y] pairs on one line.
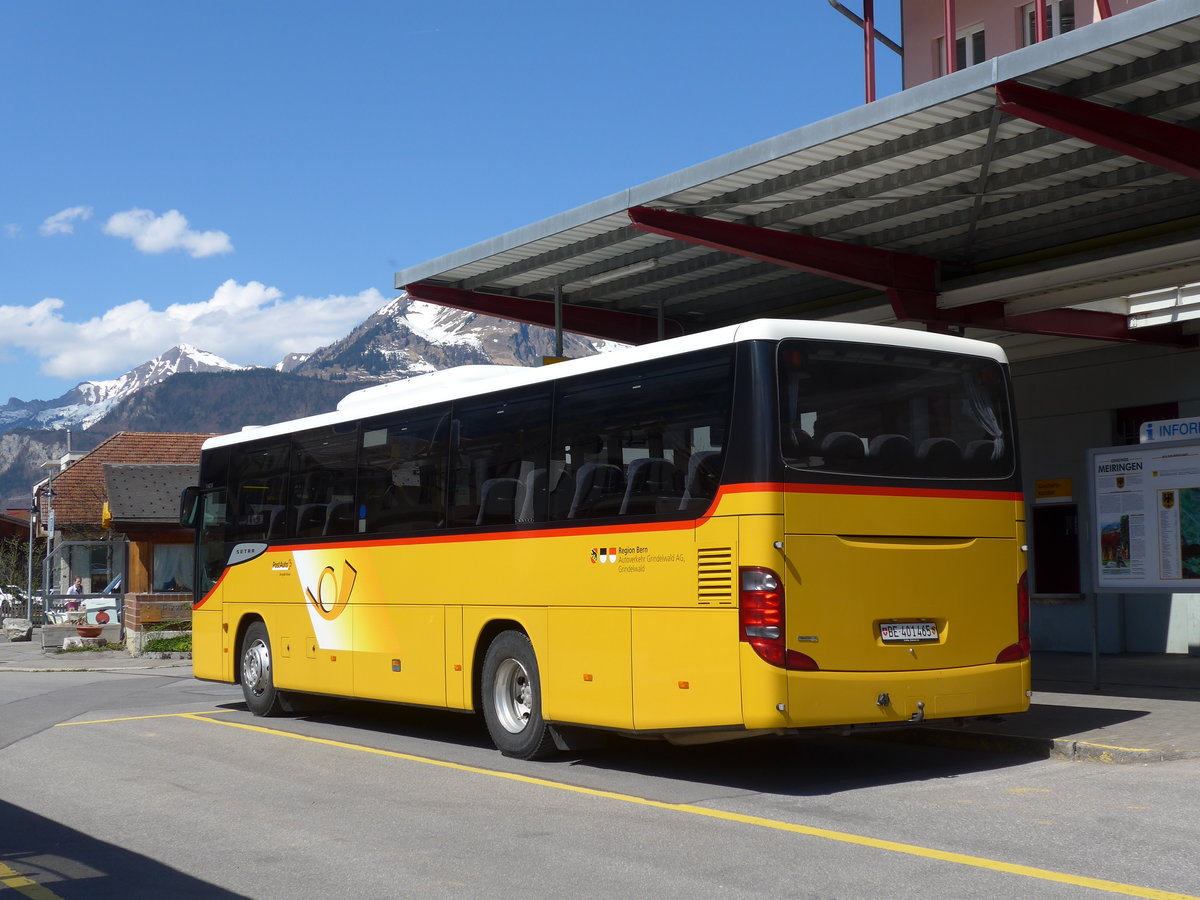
[[322, 479], [653, 425], [402, 472], [258, 473], [501, 443]]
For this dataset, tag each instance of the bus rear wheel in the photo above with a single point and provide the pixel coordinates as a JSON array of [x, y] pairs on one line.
[[258, 684], [512, 698]]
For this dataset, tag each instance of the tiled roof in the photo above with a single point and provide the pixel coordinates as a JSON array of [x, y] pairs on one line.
[[79, 492], [11, 526]]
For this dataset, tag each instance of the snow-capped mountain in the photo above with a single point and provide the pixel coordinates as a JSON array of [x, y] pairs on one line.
[[90, 401], [408, 337], [404, 338]]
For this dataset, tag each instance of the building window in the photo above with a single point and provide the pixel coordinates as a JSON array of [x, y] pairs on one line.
[[1127, 421], [1060, 18], [969, 49]]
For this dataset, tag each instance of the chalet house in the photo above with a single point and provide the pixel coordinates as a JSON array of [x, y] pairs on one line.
[[121, 490]]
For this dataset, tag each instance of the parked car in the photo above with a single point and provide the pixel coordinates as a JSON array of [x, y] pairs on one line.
[[12, 601]]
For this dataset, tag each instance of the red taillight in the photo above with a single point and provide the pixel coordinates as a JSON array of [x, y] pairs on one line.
[[761, 619], [1019, 650]]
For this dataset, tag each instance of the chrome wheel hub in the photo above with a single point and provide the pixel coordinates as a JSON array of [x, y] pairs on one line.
[[512, 697]]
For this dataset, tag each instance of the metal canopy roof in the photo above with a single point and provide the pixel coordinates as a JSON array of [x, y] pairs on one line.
[[1018, 220]]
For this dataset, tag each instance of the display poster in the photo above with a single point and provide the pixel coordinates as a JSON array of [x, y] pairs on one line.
[[1147, 517]]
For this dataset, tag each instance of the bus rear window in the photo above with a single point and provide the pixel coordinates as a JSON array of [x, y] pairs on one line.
[[868, 409]]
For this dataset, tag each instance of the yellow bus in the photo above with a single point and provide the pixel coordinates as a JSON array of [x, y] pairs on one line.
[[774, 526]]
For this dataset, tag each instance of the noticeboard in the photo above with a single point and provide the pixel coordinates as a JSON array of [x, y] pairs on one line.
[[1146, 517]]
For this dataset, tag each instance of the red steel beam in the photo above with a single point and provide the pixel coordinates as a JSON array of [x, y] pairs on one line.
[[1105, 9], [606, 324], [866, 266], [951, 30], [909, 281], [1069, 323], [1152, 140]]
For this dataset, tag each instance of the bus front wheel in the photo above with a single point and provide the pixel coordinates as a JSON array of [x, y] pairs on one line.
[[258, 684], [512, 698]]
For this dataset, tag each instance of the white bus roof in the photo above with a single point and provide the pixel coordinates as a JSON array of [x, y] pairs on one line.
[[468, 381]]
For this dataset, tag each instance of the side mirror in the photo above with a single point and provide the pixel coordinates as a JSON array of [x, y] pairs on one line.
[[189, 507]]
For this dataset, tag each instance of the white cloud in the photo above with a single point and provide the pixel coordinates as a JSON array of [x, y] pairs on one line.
[[170, 231], [12, 231], [63, 222], [249, 324]]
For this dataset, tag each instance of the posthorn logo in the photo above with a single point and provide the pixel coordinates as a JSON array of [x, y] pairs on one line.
[[604, 554]]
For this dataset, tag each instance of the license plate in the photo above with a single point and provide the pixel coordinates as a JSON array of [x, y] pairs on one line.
[[907, 631]]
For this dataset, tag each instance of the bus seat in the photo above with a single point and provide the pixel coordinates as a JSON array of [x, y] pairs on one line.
[[842, 445], [940, 455], [802, 443], [979, 451], [703, 470], [562, 494], [890, 448], [593, 482], [272, 521], [648, 479], [497, 502], [530, 497], [309, 520], [339, 518]]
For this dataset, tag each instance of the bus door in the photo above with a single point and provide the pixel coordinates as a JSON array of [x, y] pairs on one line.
[[204, 511]]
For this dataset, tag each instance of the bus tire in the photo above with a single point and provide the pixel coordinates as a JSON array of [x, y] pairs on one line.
[[256, 673], [512, 698]]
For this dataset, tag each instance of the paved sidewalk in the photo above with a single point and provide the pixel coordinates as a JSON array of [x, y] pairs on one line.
[[28, 656], [1142, 707], [1146, 709]]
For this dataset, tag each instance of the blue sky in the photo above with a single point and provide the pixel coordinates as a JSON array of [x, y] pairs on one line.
[[246, 177]]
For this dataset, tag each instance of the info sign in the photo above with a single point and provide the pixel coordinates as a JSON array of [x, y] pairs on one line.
[[1146, 504]]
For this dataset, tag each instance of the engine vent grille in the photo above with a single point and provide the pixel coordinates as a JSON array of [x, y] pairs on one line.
[[714, 576]]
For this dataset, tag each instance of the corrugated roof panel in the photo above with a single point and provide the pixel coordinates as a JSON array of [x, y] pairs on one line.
[[903, 172]]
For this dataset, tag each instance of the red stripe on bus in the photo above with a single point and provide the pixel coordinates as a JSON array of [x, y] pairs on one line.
[[199, 603], [381, 541], [855, 490]]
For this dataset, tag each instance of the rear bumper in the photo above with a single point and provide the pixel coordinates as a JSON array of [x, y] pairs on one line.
[[816, 699]]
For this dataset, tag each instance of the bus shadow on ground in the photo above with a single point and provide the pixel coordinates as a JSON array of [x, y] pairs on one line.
[[815, 764], [72, 864], [804, 765]]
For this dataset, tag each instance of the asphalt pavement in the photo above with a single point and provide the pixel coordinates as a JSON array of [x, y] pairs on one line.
[[1117, 708]]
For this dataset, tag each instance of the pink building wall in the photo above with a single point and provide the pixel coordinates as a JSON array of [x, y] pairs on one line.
[[923, 24]]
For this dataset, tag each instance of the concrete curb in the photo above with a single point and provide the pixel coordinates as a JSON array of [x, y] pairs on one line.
[[1085, 751], [182, 664], [1042, 748]]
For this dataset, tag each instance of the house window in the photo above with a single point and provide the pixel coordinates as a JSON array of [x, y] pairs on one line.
[[1060, 18], [969, 49], [173, 565]]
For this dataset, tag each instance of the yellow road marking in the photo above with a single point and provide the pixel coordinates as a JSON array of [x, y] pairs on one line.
[[211, 712], [963, 859], [11, 878]]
